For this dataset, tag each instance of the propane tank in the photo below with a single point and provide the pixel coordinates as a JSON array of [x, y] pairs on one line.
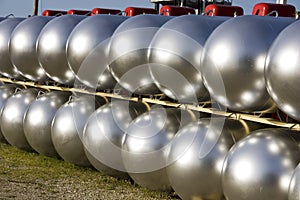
[[233, 62], [87, 49], [22, 48], [6, 28], [104, 132], [12, 116], [38, 120], [146, 146], [51, 48], [261, 165], [128, 53], [282, 71], [68, 124], [175, 66]]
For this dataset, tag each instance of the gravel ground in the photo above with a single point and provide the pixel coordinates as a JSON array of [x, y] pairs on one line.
[[11, 189], [31, 176]]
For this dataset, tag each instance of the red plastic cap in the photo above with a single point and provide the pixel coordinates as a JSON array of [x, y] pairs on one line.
[[132, 11], [176, 10], [283, 10], [223, 10], [53, 12], [98, 11], [79, 12]]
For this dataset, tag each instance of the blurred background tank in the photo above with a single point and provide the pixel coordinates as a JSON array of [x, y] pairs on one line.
[[199, 5]]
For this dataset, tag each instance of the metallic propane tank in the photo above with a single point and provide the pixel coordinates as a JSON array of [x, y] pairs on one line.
[[51, 48], [282, 71], [104, 132], [294, 189], [128, 53], [146, 145], [12, 116], [22, 47], [6, 28], [67, 127], [87, 50], [174, 56], [197, 154], [261, 165], [5, 92], [38, 120], [233, 61]]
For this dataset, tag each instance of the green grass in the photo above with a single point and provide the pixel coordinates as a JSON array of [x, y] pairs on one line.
[[28, 175]]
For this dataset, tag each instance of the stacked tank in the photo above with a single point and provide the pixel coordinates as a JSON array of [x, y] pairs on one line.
[[245, 64]]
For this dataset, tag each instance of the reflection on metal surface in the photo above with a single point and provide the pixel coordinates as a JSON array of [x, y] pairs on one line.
[[6, 28], [104, 132], [198, 152], [261, 169], [128, 53], [236, 54], [5, 92], [38, 120], [146, 145], [51, 48], [294, 189], [175, 66], [68, 124], [12, 116], [282, 71], [91, 37], [22, 47]]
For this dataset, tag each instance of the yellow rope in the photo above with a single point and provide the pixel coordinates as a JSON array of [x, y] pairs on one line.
[[231, 115]]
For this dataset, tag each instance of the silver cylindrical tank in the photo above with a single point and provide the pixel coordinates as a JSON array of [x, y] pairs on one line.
[[233, 61], [146, 145], [38, 120], [91, 37], [261, 165], [6, 28], [104, 132], [51, 48], [5, 92], [282, 71], [294, 189], [12, 116], [67, 127], [198, 152], [128, 53], [174, 56], [22, 47]]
